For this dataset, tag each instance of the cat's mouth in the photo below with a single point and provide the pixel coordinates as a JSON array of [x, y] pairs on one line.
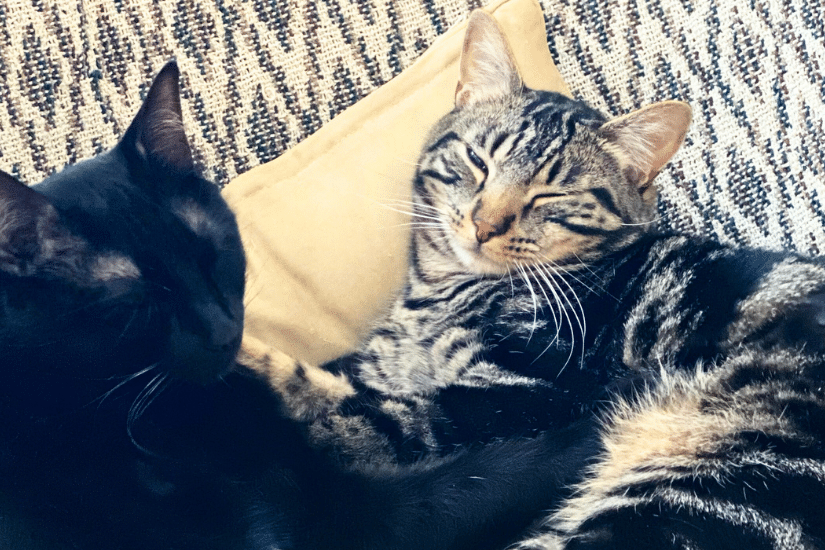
[[479, 258], [196, 360]]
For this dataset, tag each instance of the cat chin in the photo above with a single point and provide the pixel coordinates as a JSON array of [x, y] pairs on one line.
[[477, 262]]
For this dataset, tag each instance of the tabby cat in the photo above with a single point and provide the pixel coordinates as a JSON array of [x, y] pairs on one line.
[[123, 425], [538, 295]]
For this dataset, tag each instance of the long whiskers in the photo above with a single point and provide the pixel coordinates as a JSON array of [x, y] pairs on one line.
[[560, 298], [526, 279], [145, 398], [556, 319], [415, 209], [579, 315], [413, 214], [595, 278], [550, 281], [100, 399]]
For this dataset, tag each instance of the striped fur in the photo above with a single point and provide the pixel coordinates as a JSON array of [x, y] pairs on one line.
[[537, 295], [727, 456]]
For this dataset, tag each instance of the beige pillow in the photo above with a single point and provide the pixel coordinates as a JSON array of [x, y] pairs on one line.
[[323, 225]]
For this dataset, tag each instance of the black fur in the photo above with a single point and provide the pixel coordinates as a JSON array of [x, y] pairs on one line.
[[121, 288]]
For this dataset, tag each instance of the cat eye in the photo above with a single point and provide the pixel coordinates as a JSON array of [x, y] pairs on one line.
[[476, 160], [543, 198]]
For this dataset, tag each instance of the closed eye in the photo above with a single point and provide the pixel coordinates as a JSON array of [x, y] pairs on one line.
[[543, 198], [476, 160]]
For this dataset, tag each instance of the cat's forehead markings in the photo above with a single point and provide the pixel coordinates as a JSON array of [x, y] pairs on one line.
[[505, 146], [194, 216], [113, 266]]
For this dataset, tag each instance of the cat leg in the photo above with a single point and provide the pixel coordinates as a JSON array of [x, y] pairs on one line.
[[307, 392]]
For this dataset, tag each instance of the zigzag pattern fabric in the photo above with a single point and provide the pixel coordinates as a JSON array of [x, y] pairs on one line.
[[753, 168], [260, 76]]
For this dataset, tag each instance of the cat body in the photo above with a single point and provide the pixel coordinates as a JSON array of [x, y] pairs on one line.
[[127, 424], [471, 359], [96, 319], [537, 297]]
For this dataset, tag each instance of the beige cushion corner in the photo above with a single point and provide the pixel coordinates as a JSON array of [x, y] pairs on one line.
[[323, 225]]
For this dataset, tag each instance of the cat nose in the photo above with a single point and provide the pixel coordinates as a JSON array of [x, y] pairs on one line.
[[486, 230], [224, 332], [204, 357]]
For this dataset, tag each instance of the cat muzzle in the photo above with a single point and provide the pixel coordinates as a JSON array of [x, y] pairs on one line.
[[204, 358]]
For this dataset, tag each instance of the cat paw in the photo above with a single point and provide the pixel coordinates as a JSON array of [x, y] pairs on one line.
[[307, 392]]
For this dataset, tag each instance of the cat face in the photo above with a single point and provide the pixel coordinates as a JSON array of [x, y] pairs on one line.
[[516, 177], [124, 262]]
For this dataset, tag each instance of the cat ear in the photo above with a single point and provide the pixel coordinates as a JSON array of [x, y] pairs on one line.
[[27, 219], [157, 132], [488, 68], [646, 139]]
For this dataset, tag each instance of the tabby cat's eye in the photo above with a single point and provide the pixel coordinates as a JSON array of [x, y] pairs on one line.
[[544, 198], [476, 160]]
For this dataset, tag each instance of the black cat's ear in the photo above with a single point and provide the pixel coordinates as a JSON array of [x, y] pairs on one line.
[[488, 67], [157, 133], [646, 139], [27, 221]]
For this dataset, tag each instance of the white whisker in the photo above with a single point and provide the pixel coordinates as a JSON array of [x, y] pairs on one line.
[[120, 384], [413, 204], [581, 321], [526, 278], [562, 270], [563, 310], [654, 220], [415, 223], [413, 214], [551, 286], [408, 163], [596, 280], [560, 298], [142, 402]]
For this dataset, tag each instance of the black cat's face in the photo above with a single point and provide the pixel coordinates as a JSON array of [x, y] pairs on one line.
[[124, 262]]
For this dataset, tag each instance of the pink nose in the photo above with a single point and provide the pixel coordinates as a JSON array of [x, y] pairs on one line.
[[485, 230]]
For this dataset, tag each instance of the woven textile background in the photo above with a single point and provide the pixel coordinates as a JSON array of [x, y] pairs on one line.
[[261, 75]]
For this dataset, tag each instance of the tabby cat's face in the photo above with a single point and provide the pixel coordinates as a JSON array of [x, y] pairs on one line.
[[515, 177]]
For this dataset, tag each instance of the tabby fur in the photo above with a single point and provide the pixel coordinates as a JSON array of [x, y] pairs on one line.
[[126, 424], [539, 294]]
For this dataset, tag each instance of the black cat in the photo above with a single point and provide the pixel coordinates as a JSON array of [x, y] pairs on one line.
[[124, 424]]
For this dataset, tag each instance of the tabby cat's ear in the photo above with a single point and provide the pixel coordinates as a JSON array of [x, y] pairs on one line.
[[157, 133], [488, 68], [646, 139], [27, 220]]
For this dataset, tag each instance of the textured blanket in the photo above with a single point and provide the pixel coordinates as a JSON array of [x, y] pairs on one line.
[[261, 75]]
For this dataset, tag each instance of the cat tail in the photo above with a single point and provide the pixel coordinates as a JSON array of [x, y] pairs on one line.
[[729, 456]]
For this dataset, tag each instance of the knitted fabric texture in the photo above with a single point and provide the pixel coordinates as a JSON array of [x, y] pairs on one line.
[[259, 76]]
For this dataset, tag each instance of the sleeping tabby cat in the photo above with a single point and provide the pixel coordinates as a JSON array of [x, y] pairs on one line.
[[121, 288], [538, 295]]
